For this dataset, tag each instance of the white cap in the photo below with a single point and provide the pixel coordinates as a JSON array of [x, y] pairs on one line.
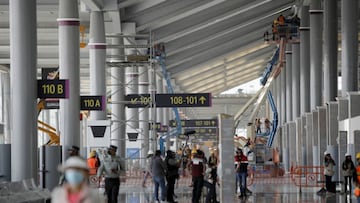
[[74, 162], [326, 153], [347, 154], [150, 152]]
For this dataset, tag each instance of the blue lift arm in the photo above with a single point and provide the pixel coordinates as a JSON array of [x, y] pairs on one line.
[[177, 131], [263, 80]]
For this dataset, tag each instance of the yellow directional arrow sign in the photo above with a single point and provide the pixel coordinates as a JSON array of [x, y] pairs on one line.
[[202, 99]]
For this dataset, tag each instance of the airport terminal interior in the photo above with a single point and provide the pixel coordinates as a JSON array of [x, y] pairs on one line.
[[246, 100]]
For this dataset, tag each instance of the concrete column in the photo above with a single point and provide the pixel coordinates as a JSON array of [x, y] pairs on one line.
[[69, 68], [7, 107], [159, 90], [299, 143], [322, 130], [283, 97], [304, 60], [278, 96], [332, 123], [295, 81], [226, 166], [317, 154], [330, 48], [144, 112], [291, 127], [288, 85], [349, 45], [118, 128], [315, 54], [159, 111], [131, 79], [152, 114], [304, 140], [166, 118], [309, 139], [132, 114], [342, 149], [97, 51], [285, 144], [23, 56]]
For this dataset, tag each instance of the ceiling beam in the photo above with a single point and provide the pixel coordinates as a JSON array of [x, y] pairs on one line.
[[224, 87], [213, 53], [166, 20], [260, 19], [224, 80], [231, 85], [224, 73], [246, 58], [186, 27], [94, 5], [218, 21]]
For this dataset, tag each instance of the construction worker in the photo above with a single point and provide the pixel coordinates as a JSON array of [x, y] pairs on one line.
[[93, 163], [348, 169], [329, 171], [356, 178]]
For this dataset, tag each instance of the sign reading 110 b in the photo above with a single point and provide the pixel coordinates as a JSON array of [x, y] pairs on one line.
[[52, 89], [169, 100]]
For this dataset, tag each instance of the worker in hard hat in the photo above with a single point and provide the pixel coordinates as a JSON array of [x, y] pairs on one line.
[[75, 188], [356, 178], [348, 169], [329, 165], [93, 162], [147, 170]]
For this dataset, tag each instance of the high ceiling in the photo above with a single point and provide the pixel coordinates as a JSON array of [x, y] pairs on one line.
[[211, 45]]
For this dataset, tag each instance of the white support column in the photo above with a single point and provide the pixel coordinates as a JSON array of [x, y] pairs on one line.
[[23, 56], [97, 51], [349, 45], [316, 38], [69, 69]]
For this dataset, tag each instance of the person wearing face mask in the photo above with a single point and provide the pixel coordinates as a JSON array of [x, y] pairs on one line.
[[75, 189], [111, 166]]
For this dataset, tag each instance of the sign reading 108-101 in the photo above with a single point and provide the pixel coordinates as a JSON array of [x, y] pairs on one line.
[[169, 100], [52, 89]]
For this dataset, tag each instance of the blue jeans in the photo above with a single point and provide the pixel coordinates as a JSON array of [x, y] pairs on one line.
[[242, 180], [159, 181]]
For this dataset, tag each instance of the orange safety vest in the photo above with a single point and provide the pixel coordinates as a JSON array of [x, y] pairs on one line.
[[93, 165], [357, 189]]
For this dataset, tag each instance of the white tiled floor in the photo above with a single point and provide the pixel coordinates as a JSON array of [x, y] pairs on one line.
[[262, 193]]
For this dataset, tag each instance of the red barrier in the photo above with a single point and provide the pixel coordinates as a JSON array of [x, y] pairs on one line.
[[308, 176]]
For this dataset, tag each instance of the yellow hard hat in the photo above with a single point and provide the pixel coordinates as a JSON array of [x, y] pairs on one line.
[[193, 151], [92, 153], [358, 155]]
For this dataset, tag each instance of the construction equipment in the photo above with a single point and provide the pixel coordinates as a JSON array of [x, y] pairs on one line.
[[160, 57]]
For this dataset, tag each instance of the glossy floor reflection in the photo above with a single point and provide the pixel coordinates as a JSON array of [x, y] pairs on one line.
[[262, 193]]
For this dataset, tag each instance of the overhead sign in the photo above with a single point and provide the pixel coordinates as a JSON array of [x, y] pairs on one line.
[[52, 89], [158, 127], [195, 123], [154, 126], [164, 129], [204, 131], [92, 103], [169, 100]]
